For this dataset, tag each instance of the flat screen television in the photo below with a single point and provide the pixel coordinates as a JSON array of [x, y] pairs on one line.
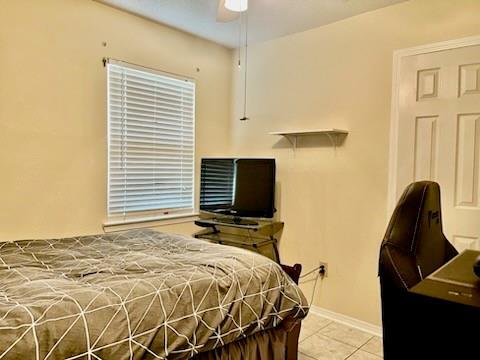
[[240, 187]]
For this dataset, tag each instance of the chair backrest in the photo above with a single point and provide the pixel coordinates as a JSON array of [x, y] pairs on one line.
[[414, 244], [413, 247]]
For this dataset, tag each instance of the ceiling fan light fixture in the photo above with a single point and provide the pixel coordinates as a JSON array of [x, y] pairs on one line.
[[236, 5]]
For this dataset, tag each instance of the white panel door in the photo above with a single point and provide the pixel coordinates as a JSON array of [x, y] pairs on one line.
[[439, 135]]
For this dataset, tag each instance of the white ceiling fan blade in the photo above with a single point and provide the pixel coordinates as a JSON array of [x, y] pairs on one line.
[[225, 15]]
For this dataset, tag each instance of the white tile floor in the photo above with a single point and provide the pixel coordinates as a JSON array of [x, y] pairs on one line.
[[323, 339]]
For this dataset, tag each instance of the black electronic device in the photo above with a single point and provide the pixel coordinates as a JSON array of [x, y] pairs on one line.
[[238, 187]]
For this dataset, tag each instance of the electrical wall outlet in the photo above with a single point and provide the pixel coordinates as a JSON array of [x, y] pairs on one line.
[[323, 269]]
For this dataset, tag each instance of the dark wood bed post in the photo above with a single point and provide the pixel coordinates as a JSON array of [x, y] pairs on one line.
[[293, 333], [291, 352]]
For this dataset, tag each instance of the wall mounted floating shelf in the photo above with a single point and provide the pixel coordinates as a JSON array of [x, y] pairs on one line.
[[291, 136]]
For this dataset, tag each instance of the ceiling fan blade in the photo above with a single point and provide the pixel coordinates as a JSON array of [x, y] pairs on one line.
[[225, 15]]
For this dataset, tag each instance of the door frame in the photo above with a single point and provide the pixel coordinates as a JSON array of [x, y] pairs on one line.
[[398, 55]]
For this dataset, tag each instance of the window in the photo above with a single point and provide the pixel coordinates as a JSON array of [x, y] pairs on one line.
[[151, 127]]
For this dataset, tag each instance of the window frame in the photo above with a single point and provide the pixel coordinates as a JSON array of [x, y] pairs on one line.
[[134, 217]]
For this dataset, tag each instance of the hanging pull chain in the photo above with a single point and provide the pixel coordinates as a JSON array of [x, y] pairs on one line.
[[240, 41], [246, 70]]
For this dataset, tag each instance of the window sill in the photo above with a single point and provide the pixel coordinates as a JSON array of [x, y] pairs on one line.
[[112, 226]]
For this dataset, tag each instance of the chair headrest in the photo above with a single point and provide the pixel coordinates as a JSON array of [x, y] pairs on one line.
[[417, 217]]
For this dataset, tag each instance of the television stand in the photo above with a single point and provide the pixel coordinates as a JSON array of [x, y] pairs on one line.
[[256, 236], [235, 220]]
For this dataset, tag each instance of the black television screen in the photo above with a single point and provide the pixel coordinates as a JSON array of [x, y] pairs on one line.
[[241, 187]]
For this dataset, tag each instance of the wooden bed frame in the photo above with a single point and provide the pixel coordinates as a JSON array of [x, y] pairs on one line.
[[291, 351]]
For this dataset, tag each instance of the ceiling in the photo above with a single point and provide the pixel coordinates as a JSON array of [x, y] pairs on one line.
[[267, 19]]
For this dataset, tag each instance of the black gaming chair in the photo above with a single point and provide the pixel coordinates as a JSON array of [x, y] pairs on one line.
[[413, 247]]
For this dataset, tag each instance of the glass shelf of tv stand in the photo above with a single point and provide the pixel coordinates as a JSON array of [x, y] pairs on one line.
[[234, 239], [264, 227], [266, 246], [258, 237]]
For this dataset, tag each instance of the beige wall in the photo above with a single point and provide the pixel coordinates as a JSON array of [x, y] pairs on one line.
[[53, 107], [339, 75]]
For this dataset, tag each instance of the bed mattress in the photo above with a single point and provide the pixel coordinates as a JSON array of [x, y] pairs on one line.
[[138, 294]]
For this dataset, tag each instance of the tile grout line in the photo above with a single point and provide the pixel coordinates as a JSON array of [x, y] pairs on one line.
[[370, 351], [308, 356], [358, 349], [349, 356], [340, 341], [365, 343], [345, 343], [316, 331]]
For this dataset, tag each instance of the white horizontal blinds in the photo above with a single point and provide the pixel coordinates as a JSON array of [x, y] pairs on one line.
[[151, 142], [217, 184]]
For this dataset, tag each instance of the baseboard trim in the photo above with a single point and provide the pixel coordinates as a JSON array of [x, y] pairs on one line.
[[347, 320]]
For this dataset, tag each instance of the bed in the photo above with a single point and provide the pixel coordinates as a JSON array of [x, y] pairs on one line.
[[144, 294]]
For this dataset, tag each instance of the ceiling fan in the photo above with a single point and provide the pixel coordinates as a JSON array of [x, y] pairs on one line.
[[229, 10]]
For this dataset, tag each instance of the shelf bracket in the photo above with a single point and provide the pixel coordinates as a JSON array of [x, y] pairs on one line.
[[292, 140], [333, 141]]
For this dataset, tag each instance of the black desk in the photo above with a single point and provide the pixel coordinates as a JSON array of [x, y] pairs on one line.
[[448, 301], [454, 282]]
